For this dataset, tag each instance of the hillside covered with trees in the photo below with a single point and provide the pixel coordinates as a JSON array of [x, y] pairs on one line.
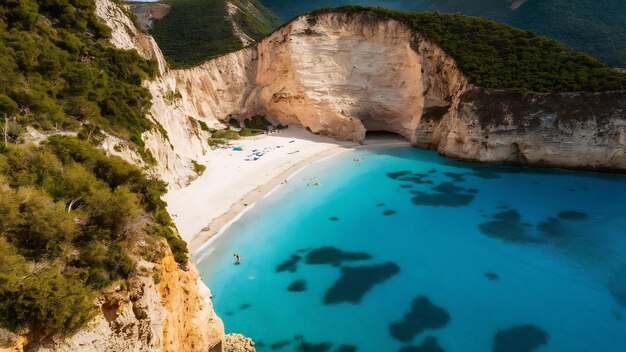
[[71, 218], [196, 30]]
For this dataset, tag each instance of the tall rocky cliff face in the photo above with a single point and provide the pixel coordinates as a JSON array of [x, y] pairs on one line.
[[343, 75]]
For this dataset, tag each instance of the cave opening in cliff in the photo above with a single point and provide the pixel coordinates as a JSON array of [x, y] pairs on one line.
[[391, 136]]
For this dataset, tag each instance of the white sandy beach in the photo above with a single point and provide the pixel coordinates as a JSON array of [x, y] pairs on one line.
[[231, 183]]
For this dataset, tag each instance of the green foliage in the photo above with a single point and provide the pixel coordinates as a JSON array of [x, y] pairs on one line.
[[196, 30], [68, 202], [225, 134], [258, 122], [204, 126], [198, 168], [233, 122], [246, 132], [172, 96], [178, 246], [59, 71], [46, 299], [495, 55], [217, 143]]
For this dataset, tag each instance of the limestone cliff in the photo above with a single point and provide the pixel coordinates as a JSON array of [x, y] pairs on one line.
[[163, 308], [172, 166], [342, 75]]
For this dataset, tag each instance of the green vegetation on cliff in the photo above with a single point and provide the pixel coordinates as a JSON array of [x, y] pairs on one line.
[[494, 55], [597, 28], [59, 72], [196, 30], [72, 220]]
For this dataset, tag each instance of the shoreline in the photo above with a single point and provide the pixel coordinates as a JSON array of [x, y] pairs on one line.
[[222, 222]]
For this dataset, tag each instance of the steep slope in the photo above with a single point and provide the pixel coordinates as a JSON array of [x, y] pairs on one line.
[[195, 30], [347, 72]]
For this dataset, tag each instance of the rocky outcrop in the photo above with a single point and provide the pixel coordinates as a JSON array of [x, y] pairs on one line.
[[160, 308], [343, 75], [238, 343]]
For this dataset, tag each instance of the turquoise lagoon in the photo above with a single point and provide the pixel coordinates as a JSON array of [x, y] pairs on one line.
[[408, 251]]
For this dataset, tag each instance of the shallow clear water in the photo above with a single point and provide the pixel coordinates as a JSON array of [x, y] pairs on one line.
[[479, 249]]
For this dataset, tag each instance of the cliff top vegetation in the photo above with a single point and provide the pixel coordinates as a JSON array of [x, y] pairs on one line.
[[495, 55], [197, 30]]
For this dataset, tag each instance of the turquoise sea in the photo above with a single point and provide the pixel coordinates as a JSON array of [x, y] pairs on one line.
[[408, 251]]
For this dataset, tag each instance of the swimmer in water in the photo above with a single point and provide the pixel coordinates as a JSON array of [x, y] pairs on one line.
[[237, 258]]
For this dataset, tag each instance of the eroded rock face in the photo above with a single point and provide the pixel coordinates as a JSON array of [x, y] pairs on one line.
[[568, 130], [163, 308], [342, 75], [173, 166]]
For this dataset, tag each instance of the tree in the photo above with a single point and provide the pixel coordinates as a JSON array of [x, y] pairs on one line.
[[8, 109]]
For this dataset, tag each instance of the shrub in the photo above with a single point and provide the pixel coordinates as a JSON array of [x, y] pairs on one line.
[[258, 122], [217, 143], [204, 126], [246, 132], [225, 134], [198, 168], [45, 300], [234, 122], [177, 245]]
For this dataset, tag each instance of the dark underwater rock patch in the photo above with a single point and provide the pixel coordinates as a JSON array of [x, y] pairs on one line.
[[572, 215], [297, 286], [290, 265], [406, 186], [279, 344], [447, 187], [245, 306], [443, 199], [423, 315], [314, 347], [551, 227], [334, 256], [398, 174], [346, 348], [445, 194], [389, 212], [380, 204], [333, 218], [355, 282], [430, 344], [507, 226], [432, 171], [617, 287], [417, 179], [456, 177], [492, 276], [523, 338]]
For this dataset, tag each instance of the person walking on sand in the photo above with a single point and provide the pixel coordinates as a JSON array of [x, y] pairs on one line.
[[237, 258]]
